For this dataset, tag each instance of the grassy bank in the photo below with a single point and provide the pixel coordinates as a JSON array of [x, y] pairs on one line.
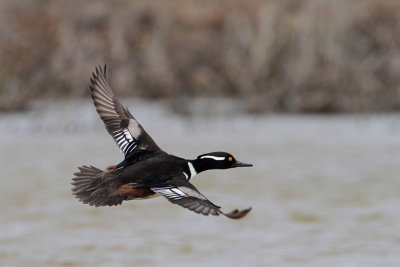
[[285, 56]]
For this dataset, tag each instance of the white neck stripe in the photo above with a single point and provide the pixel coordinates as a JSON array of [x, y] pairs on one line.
[[213, 157], [192, 170]]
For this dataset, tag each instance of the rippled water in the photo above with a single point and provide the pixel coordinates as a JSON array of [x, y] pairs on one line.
[[325, 191]]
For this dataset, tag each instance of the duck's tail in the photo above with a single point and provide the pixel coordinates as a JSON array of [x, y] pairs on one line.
[[91, 187]]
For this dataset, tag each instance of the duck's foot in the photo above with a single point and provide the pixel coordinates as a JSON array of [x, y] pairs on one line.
[[237, 214]]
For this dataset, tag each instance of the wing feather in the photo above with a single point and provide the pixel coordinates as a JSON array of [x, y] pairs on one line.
[[183, 193], [183, 196], [119, 122]]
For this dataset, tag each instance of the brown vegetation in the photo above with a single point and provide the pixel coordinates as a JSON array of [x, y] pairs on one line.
[[289, 55]]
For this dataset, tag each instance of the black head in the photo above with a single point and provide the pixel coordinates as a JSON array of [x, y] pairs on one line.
[[219, 160]]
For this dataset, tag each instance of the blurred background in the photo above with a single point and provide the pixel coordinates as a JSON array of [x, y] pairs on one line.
[[306, 90], [284, 56]]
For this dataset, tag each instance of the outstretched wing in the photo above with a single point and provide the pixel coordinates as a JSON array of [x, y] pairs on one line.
[[120, 124], [183, 193]]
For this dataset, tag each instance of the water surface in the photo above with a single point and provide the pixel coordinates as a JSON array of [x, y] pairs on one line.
[[325, 191]]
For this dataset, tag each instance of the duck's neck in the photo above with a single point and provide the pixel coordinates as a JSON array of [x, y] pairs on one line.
[[200, 165]]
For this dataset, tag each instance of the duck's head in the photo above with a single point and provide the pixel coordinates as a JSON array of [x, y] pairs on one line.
[[218, 160]]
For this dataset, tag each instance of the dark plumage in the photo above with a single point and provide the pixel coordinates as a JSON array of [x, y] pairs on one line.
[[146, 170]]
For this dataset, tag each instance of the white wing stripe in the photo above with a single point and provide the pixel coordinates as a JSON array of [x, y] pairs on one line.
[[123, 146], [131, 147], [121, 141], [119, 137], [125, 140], [128, 135], [178, 192], [170, 193]]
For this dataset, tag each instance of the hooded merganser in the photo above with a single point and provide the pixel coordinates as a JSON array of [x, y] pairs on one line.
[[146, 170]]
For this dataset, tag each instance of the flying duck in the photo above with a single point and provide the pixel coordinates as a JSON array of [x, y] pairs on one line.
[[146, 170]]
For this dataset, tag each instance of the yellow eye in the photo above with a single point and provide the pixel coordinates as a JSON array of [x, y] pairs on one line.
[[230, 158]]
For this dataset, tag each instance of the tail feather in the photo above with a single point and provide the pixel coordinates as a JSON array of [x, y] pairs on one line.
[[91, 188]]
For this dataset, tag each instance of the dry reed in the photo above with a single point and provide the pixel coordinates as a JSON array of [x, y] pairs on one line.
[[285, 56]]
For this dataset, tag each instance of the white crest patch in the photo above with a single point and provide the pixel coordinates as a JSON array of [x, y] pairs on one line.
[[212, 157], [186, 176]]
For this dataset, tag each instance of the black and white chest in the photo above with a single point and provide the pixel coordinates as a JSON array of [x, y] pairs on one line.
[[189, 170]]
